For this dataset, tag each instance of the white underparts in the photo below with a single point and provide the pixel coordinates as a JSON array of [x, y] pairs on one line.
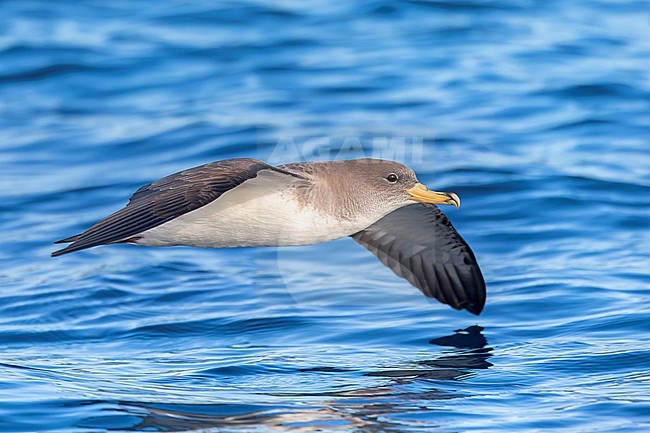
[[263, 211]]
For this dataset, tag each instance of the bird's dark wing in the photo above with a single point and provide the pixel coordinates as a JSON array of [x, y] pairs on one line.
[[419, 243], [168, 198]]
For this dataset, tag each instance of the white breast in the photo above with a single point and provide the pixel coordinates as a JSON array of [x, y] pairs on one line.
[[260, 212]]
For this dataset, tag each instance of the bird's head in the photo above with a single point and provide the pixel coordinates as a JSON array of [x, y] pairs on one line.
[[393, 184]]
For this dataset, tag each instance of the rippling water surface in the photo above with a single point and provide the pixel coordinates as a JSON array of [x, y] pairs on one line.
[[536, 113]]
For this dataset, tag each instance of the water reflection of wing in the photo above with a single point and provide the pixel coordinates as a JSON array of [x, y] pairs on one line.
[[362, 409], [470, 353]]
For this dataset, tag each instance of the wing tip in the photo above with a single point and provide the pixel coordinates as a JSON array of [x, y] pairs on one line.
[[67, 240], [69, 249], [476, 301], [59, 252], [475, 308]]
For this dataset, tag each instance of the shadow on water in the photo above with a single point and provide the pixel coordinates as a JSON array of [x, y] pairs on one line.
[[364, 409]]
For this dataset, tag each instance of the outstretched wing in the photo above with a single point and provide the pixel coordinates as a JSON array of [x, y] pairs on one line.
[[418, 243], [168, 198]]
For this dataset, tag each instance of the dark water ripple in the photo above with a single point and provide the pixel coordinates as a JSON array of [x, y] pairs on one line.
[[536, 114]]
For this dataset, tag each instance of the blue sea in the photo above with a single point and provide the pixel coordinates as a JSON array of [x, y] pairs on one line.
[[537, 114]]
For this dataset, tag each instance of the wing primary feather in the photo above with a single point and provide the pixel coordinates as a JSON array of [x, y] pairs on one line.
[[417, 242], [67, 240]]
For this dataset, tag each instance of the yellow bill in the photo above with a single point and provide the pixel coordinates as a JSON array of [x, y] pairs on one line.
[[422, 194]]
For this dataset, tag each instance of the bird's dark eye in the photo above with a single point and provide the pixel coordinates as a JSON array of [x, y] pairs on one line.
[[392, 178]]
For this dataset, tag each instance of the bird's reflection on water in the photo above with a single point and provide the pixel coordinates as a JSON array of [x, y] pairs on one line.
[[470, 353], [363, 409]]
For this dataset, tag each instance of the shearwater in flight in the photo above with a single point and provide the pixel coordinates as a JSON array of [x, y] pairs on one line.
[[245, 202]]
